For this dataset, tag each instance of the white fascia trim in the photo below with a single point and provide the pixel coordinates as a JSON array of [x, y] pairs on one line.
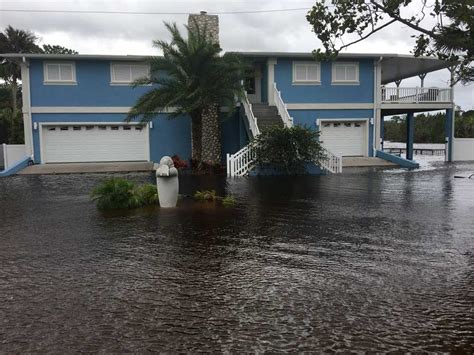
[[97, 109], [85, 109], [415, 106], [331, 106]]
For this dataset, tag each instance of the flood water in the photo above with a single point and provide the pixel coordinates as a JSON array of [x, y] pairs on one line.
[[368, 260]]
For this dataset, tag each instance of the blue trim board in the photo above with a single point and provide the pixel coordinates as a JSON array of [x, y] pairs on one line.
[[404, 163], [20, 165]]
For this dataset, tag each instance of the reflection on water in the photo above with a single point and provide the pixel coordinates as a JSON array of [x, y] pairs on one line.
[[367, 260]]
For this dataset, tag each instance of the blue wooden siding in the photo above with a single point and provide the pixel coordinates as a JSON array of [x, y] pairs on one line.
[[325, 92], [93, 87], [168, 136]]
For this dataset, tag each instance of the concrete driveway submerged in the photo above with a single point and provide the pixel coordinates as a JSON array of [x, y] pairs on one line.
[[78, 168]]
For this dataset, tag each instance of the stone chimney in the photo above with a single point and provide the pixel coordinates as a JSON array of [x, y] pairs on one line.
[[205, 21]]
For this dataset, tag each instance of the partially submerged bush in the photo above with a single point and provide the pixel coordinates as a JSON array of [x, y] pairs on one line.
[[115, 193], [229, 201], [147, 194], [118, 193], [210, 196], [289, 149], [205, 195]]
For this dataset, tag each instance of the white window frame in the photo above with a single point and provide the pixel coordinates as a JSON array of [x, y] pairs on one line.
[[345, 82], [117, 82], [48, 81], [307, 82]]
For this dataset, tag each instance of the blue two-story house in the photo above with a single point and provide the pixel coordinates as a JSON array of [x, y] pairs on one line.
[[74, 106]]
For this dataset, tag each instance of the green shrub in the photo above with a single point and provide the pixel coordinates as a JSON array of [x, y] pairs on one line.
[[288, 149], [229, 201], [205, 195], [115, 193], [118, 193], [147, 194]]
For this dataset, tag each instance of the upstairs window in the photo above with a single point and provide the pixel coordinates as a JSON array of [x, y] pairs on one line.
[[127, 73], [59, 73], [306, 73], [345, 73]]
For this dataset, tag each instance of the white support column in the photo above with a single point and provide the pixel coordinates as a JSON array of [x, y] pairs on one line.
[[377, 104], [271, 79], [26, 110]]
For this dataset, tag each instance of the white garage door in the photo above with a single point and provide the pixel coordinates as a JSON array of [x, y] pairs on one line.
[[94, 143], [344, 138]]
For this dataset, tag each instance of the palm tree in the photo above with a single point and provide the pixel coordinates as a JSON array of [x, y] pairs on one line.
[[194, 79], [14, 41]]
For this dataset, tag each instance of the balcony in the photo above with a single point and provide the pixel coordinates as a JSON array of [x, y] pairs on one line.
[[418, 95]]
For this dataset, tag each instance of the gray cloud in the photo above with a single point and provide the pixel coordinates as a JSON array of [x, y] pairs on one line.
[[133, 34]]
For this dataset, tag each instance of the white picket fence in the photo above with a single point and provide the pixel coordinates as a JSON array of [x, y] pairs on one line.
[[332, 163], [12, 154], [240, 163]]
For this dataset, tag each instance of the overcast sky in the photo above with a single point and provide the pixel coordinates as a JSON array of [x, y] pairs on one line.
[[133, 34]]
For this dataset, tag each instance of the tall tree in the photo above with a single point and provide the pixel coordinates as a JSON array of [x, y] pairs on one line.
[[56, 49], [450, 37], [15, 41], [191, 77]]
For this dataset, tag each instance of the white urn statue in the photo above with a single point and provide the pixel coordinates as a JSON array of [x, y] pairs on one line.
[[167, 183]]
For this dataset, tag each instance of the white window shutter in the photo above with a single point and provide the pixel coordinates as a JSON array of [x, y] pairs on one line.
[[52, 72]]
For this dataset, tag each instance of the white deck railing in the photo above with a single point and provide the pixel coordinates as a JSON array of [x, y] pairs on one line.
[[415, 95], [252, 120], [281, 107], [240, 163], [332, 163]]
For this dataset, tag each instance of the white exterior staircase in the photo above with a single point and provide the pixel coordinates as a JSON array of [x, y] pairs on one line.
[[241, 162]]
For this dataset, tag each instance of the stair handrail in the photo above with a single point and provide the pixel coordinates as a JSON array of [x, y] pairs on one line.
[[240, 163], [281, 107], [331, 163], [252, 120]]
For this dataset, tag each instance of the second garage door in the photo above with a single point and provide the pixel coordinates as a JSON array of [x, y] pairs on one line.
[[94, 143], [345, 138]]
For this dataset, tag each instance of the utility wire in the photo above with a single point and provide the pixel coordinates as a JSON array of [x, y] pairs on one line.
[[151, 13]]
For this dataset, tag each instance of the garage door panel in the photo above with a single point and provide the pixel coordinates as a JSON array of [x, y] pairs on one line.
[[94, 144], [344, 138]]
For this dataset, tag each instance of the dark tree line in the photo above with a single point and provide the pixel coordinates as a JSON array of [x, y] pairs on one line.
[[429, 128], [17, 41]]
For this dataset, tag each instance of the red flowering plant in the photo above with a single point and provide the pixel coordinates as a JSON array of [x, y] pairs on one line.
[[179, 163]]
